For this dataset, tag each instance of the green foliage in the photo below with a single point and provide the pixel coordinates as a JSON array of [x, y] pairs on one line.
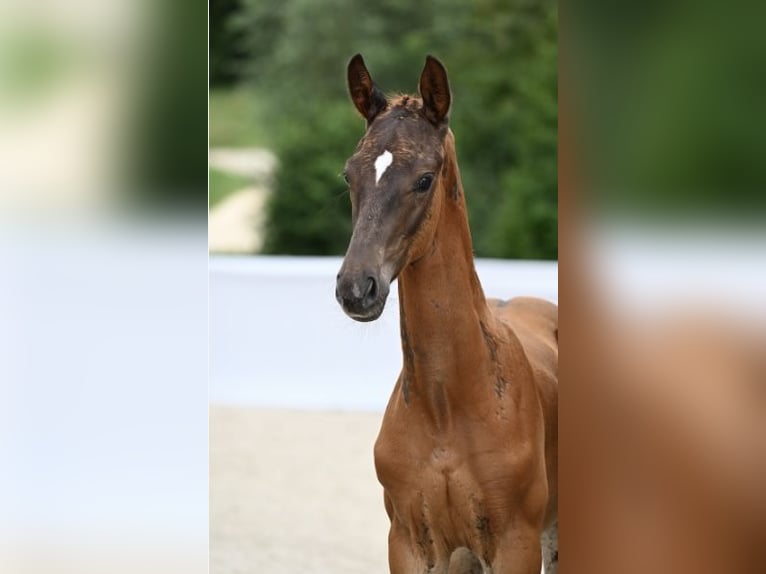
[[237, 118], [506, 126], [222, 184], [310, 209], [686, 82], [227, 42], [502, 59], [32, 64]]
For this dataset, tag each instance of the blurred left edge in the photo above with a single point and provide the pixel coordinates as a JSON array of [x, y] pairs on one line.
[[103, 287]]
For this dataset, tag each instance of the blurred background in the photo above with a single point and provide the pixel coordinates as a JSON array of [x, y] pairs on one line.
[[103, 286], [663, 290], [282, 124]]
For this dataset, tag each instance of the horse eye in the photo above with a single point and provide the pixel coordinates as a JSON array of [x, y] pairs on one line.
[[424, 183]]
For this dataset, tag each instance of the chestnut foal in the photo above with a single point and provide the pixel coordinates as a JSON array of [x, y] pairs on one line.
[[467, 449]]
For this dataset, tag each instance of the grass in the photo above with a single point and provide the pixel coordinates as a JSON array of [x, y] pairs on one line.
[[236, 118], [222, 184]]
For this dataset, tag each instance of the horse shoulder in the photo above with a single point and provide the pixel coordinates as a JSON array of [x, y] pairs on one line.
[[535, 323]]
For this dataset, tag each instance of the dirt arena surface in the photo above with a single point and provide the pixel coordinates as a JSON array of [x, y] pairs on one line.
[[295, 492]]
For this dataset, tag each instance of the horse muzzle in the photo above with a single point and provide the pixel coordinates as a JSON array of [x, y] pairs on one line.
[[362, 295]]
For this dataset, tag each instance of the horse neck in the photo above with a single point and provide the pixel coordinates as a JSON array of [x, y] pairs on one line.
[[441, 302]]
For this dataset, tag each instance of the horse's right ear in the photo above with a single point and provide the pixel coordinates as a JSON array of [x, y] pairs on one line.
[[434, 89], [367, 97]]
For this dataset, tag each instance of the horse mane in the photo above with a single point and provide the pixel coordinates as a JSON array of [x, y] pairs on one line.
[[405, 101]]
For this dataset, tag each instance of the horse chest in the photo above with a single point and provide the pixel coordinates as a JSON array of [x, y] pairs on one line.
[[440, 491]]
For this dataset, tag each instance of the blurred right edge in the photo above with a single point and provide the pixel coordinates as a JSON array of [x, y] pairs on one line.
[[662, 288]]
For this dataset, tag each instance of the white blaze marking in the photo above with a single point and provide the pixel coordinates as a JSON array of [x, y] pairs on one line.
[[381, 164]]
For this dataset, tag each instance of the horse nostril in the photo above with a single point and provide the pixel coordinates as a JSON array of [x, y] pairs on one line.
[[372, 288]]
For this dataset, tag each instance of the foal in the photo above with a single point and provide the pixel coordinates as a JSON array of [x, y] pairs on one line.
[[467, 449]]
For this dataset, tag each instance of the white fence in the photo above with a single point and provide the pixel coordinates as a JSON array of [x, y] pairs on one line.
[[279, 339]]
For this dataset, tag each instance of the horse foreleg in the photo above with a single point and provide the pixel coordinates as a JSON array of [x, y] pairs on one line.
[[518, 552], [404, 557], [401, 558], [463, 561]]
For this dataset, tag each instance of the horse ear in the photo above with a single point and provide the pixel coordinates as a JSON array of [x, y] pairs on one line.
[[434, 89], [367, 97]]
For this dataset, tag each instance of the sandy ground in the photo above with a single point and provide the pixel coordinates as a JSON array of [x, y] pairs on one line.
[[254, 163], [236, 224], [294, 492]]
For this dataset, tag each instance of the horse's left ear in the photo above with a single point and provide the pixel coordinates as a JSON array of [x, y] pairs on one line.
[[434, 89]]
